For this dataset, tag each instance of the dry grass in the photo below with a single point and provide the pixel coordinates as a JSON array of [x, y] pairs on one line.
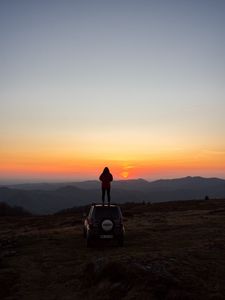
[[172, 251]]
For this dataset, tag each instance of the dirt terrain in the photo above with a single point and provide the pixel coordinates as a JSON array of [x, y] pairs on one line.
[[173, 250]]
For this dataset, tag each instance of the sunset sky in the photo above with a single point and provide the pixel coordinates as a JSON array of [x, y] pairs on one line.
[[138, 86]]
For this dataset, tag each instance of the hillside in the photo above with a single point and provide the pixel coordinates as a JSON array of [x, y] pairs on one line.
[[7, 210], [173, 250], [45, 198]]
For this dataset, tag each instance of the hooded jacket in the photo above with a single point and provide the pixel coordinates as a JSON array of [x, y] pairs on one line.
[[106, 178]]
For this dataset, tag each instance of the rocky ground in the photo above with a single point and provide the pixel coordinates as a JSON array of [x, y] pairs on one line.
[[172, 251]]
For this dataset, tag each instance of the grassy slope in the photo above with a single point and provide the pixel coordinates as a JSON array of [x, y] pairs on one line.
[[172, 251]]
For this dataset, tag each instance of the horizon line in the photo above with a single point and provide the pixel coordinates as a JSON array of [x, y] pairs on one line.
[[52, 181]]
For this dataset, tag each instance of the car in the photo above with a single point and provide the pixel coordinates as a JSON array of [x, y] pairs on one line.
[[104, 222]]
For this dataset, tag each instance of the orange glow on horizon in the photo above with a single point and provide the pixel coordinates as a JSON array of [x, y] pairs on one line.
[[125, 174], [56, 166], [133, 164]]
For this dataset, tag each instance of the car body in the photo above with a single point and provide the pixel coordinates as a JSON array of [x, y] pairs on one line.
[[104, 222]]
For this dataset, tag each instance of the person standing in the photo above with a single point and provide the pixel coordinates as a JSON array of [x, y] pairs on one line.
[[106, 178]]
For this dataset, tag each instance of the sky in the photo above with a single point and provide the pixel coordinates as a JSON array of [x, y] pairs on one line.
[[137, 86]]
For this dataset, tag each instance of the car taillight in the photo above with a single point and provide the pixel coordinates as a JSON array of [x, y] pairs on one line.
[[92, 223]]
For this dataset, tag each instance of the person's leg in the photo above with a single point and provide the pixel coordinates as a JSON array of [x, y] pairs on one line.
[[108, 196], [103, 196]]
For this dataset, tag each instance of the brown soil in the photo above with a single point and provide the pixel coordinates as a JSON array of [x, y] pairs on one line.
[[172, 251]]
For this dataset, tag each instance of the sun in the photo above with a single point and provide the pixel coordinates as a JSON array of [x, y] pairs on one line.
[[125, 174]]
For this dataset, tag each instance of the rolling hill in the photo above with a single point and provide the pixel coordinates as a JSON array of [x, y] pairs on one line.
[[45, 198], [173, 250]]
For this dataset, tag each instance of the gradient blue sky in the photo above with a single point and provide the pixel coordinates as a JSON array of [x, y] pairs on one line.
[[109, 81]]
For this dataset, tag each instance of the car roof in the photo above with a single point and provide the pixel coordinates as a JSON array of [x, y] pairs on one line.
[[100, 205]]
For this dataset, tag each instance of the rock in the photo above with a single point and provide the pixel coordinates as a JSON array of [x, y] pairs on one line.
[[120, 277]]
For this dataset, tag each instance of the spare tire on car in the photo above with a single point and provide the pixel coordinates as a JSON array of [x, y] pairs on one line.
[[104, 223], [107, 225]]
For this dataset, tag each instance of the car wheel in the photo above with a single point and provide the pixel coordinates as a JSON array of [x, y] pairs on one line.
[[89, 243], [84, 233], [121, 242]]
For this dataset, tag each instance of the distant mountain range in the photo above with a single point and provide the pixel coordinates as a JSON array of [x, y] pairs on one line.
[[44, 198]]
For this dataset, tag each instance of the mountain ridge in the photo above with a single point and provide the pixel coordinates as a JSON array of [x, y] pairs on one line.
[[65, 195], [95, 183]]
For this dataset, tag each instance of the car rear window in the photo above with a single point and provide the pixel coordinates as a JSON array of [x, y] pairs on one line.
[[107, 212]]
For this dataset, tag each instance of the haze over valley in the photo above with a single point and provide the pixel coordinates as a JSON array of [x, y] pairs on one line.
[[44, 198]]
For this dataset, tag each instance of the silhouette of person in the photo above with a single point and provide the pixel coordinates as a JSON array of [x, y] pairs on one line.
[[106, 178]]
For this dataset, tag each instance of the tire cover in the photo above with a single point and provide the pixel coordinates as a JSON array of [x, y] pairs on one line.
[[107, 225]]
